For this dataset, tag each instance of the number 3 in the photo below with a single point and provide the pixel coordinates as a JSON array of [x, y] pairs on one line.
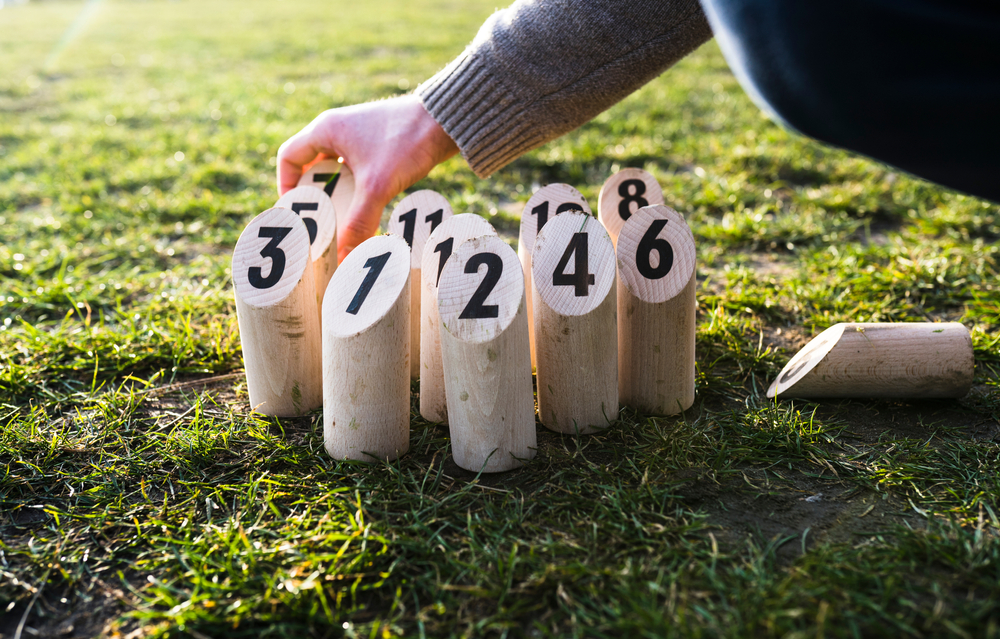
[[276, 255]]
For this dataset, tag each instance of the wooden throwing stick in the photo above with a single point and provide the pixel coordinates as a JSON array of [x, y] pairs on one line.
[[656, 311], [445, 238], [316, 211], [484, 351], [548, 201], [414, 219], [337, 181], [366, 352], [920, 360], [278, 315], [576, 310], [623, 194]]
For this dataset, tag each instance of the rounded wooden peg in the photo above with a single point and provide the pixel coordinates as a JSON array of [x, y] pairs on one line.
[[337, 181], [413, 219], [484, 350], [623, 194], [366, 351], [545, 203], [656, 311], [277, 314], [921, 360], [576, 310], [439, 247], [316, 211]]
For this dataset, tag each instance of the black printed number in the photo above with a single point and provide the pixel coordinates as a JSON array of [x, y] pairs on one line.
[[624, 211], [647, 245], [271, 251], [475, 309], [409, 220], [435, 218], [311, 226], [329, 180], [542, 211], [375, 265], [580, 279], [444, 248]]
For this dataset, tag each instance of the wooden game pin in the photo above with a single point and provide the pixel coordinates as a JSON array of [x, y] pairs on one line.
[[484, 351], [576, 309], [336, 179], [366, 351], [278, 315], [450, 234], [316, 211], [875, 360], [414, 219], [623, 194], [656, 311], [546, 202]]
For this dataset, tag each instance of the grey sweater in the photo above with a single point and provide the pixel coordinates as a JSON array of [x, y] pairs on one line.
[[541, 68]]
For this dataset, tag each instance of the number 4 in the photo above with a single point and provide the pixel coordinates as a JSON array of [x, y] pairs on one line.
[[580, 279]]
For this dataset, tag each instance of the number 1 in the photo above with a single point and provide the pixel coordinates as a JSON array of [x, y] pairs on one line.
[[375, 264]]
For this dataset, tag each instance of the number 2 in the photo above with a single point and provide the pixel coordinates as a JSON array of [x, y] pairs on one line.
[[475, 309], [275, 254], [580, 279]]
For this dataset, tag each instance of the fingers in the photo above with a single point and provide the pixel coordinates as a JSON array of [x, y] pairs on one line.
[[303, 148], [362, 220]]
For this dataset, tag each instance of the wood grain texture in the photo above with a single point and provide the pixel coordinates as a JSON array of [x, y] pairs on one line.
[[366, 369], [622, 195], [487, 365], [921, 360], [441, 243], [278, 317], [413, 219], [312, 204], [656, 312], [342, 191], [544, 204], [575, 325]]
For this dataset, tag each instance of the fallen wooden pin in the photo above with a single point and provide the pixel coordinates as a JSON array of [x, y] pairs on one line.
[[923, 360]]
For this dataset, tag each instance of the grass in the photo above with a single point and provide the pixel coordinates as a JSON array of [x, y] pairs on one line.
[[140, 497]]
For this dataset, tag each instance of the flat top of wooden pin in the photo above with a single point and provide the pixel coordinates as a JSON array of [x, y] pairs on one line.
[[366, 285], [573, 264], [806, 359], [342, 191], [623, 194], [415, 218], [270, 257], [546, 203], [481, 289], [447, 237], [316, 210], [656, 253]]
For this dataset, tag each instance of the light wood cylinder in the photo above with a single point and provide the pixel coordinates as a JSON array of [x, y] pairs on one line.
[[366, 352], [314, 207], [439, 247], [576, 325], [923, 360], [337, 181], [277, 314], [484, 351], [623, 194], [656, 311], [414, 219], [545, 203]]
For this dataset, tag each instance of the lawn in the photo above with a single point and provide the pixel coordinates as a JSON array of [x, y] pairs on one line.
[[139, 496]]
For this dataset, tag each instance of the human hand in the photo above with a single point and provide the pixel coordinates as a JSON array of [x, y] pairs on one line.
[[388, 145]]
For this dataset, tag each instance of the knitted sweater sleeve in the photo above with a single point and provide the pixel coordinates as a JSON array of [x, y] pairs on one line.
[[541, 68]]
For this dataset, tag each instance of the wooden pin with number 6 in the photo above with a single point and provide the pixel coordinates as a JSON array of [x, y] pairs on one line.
[[316, 211], [278, 315], [366, 353]]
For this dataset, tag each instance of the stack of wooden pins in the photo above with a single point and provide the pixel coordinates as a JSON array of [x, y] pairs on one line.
[[921, 360], [278, 315], [414, 219], [316, 211], [366, 350], [575, 316], [484, 351], [545, 203], [656, 311], [623, 194], [337, 181], [440, 244]]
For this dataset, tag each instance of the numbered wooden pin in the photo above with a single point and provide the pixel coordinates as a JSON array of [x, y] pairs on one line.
[[277, 314], [922, 360], [440, 244], [484, 350], [623, 194], [656, 311], [576, 309], [546, 202], [316, 211], [414, 219], [366, 352], [336, 179]]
